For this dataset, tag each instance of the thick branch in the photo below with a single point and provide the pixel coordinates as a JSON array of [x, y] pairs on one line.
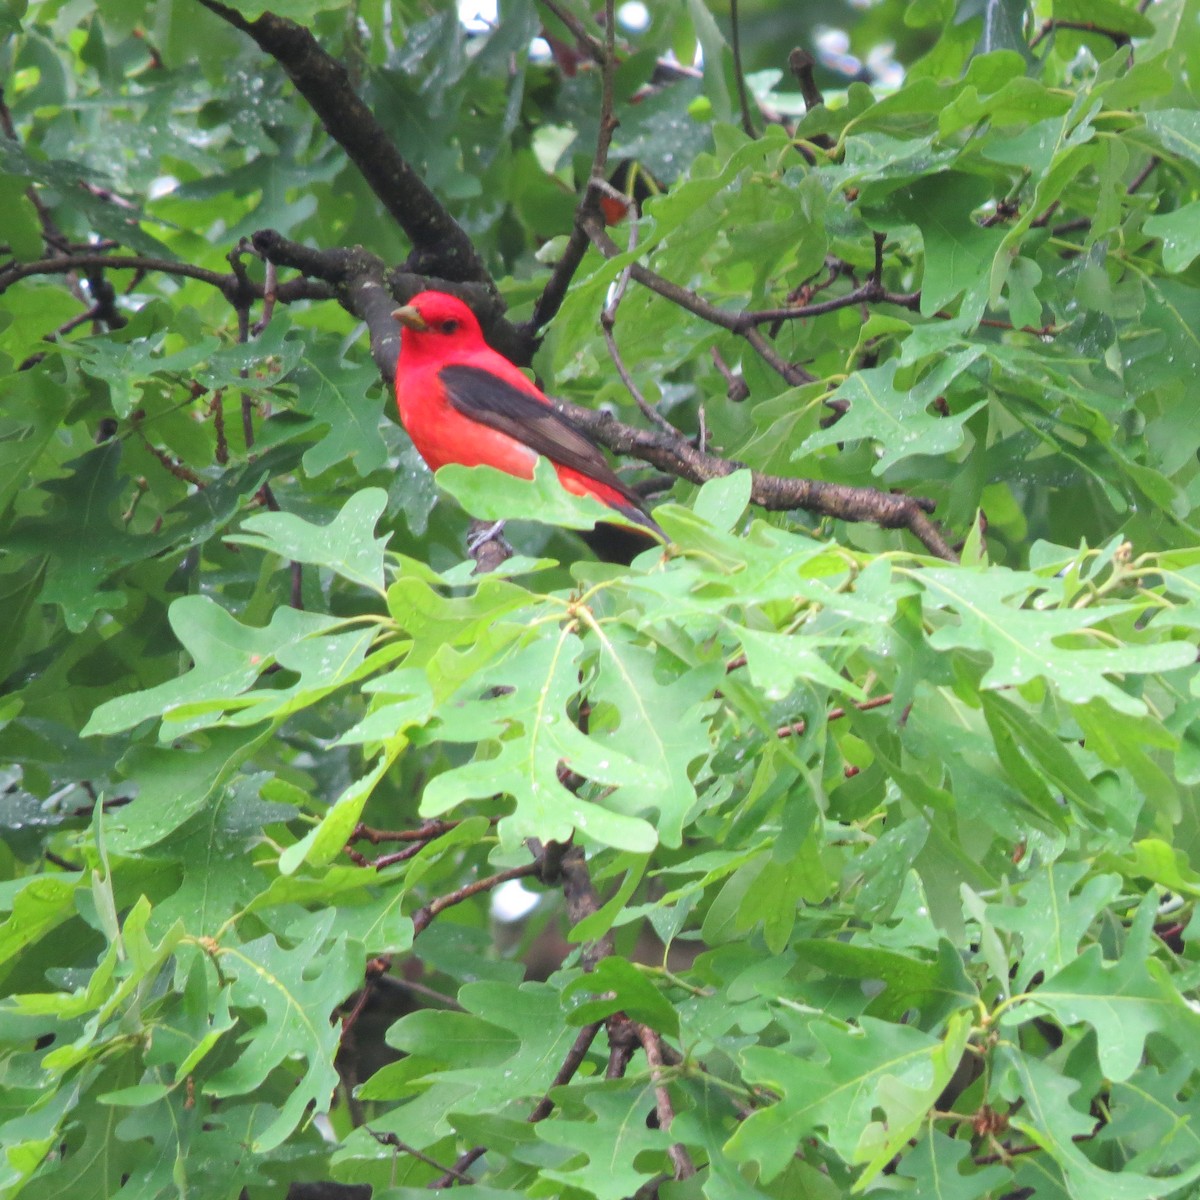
[[777, 493], [369, 290], [439, 244], [801, 64], [582, 901]]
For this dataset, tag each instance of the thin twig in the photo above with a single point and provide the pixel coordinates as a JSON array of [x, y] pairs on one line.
[[653, 1046], [423, 833], [1118, 37], [590, 45], [608, 68], [543, 1108], [1143, 175], [418, 989], [588, 208], [796, 728], [648, 409], [735, 42], [695, 304], [390, 860], [270, 287], [296, 289], [608, 319], [571, 1064], [392, 1141], [866, 293], [555, 292], [736, 388], [622, 1044], [425, 914], [216, 410]]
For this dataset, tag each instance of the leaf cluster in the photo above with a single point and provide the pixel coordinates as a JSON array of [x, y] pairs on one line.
[[849, 867]]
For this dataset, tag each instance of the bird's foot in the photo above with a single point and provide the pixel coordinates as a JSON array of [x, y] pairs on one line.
[[487, 534]]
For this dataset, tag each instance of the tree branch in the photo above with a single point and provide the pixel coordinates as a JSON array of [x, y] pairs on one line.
[[608, 319], [1118, 37], [426, 913], [588, 209], [735, 45], [734, 322], [440, 246], [234, 289], [871, 292], [543, 1108], [776, 493], [652, 1044], [370, 290]]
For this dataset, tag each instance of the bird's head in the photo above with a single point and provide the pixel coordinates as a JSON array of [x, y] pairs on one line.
[[437, 324]]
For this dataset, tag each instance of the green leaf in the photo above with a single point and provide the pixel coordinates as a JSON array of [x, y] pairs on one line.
[[713, 44], [936, 987], [342, 397], [1022, 642], [605, 1130], [34, 406], [173, 784], [659, 724], [82, 537], [1053, 917], [506, 1046], [1124, 1001], [345, 545], [1154, 859], [530, 731], [36, 906], [1052, 1120], [493, 495], [1177, 130], [898, 421], [292, 986], [226, 656], [935, 1167], [625, 989], [1180, 239], [722, 501], [845, 1076], [325, 840], [958, 251]]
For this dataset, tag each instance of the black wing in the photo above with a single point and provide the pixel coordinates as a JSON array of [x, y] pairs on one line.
[[484, 397]]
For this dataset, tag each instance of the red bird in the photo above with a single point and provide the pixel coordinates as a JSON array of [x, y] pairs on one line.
[[463, 402]]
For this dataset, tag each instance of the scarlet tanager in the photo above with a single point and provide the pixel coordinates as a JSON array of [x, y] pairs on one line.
[[463, 402]]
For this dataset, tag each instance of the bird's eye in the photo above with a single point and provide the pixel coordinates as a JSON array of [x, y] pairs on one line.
[[450, 326]]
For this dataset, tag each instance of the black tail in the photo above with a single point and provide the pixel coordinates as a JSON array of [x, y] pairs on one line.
[[619, 543]]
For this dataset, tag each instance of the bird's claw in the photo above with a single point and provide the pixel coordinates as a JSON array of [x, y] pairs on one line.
[[483, 536]]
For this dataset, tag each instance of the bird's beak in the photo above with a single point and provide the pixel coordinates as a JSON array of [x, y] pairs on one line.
[[410, 318]]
